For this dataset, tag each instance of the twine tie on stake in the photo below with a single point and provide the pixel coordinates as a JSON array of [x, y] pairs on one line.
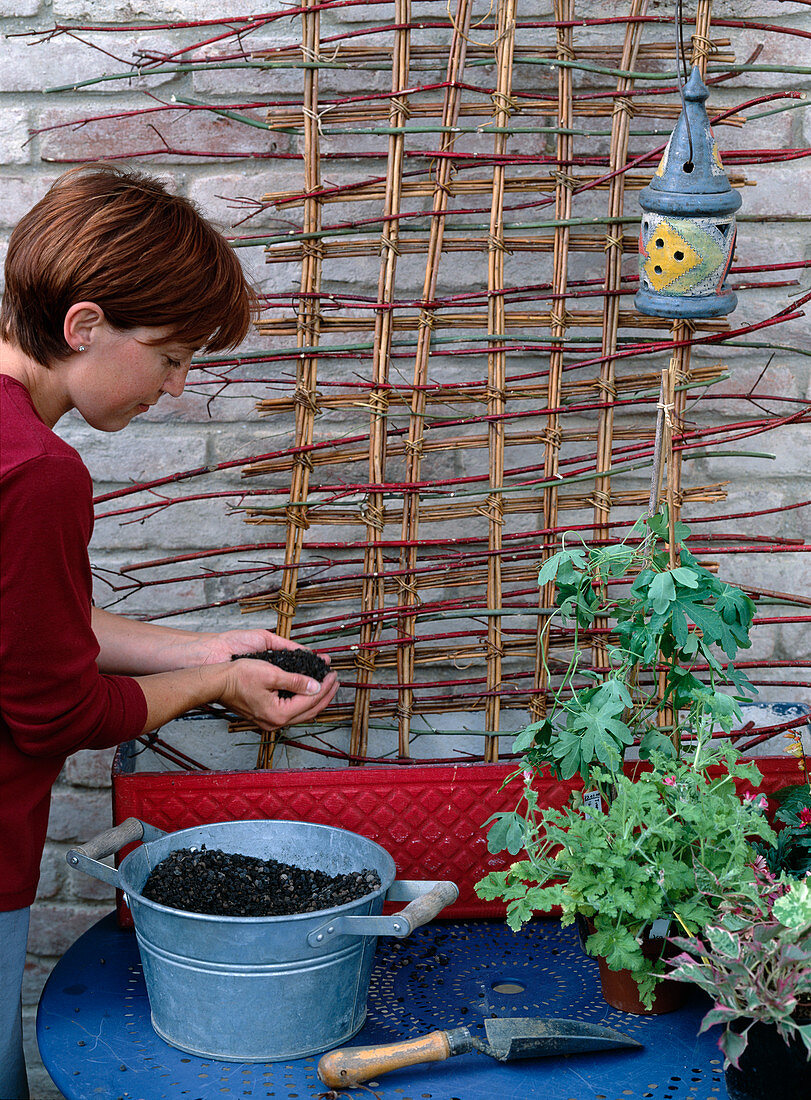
[[667, 408]]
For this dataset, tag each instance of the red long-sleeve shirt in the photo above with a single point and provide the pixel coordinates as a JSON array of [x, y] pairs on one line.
[[53, 699]]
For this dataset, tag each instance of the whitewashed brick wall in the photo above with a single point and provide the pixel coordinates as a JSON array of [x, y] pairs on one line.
[[184, 435]]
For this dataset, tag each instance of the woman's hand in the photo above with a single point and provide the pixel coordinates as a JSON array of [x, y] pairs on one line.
[[252, 690], [214, 648]]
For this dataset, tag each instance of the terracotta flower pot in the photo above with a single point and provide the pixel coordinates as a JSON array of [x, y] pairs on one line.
[[621, 991], [769, 1066]]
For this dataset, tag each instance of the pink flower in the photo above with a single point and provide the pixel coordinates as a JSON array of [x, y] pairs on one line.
[[669, 781], [758, 801], [805, 816]]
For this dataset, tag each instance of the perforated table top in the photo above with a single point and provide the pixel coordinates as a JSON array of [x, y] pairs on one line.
[[96, 1039]]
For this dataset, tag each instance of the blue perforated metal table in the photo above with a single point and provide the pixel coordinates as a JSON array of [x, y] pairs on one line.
[[96, 1039]]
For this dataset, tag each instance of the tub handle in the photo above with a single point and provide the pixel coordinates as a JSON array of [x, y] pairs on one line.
[[428, 899], [85, 857]]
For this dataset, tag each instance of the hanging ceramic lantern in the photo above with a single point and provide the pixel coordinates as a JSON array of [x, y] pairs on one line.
[[688, 225]]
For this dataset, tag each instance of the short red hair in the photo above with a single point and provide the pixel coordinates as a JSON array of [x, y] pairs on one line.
[[118, 238]]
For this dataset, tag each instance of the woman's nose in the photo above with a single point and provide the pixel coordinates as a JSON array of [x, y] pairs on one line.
[[176, 382]]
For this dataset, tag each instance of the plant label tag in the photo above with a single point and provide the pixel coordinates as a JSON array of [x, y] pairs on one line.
[[593, 800], [660, 928]]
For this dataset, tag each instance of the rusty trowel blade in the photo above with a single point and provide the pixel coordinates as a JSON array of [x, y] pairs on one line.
[[532, 1037]]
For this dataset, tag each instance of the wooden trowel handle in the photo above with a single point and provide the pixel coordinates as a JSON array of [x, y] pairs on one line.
[[353, 1065]]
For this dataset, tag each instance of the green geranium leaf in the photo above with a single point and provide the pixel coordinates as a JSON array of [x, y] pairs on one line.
[[506, 832]]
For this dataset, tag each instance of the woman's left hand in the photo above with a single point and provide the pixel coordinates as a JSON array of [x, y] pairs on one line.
[[216, 648]]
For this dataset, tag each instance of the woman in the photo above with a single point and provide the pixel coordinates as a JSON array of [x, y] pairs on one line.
[[112, 284]]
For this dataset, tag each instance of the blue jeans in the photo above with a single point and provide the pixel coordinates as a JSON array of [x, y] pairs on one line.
[[13, 940]]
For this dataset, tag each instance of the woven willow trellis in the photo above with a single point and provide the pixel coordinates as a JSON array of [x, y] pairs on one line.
[[459, 235], [482, 409]]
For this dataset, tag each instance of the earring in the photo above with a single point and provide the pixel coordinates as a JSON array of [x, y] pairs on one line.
[[81, 347]]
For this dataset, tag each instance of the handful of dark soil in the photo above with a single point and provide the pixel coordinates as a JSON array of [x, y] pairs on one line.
[[292, 660], [226, 884]]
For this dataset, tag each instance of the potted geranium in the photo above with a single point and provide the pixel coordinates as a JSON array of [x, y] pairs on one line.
[[754, 960], [631, 850], [645, 858]]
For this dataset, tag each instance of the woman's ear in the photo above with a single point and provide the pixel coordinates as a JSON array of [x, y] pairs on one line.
[[82, 321]]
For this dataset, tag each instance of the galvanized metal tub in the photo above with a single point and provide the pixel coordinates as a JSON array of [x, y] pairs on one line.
[[260, 989]]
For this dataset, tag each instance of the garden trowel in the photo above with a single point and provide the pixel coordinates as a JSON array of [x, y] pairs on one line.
[[507, 1039]]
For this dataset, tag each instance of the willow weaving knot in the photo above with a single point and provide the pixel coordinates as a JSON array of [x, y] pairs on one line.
[[364, 661], [623, 106], [401, 107], [601, 499], [377, 403], [565, 179], [307, 400], [492, 509], [607, 388], [296, 516], [409, 593], [504, 103], [372, 515], [387, 244]]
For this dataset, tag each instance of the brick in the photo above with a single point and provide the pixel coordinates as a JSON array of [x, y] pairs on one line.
[[102, 11], [89, 768], [14, 136], [20, 193], [250, 82], [780, 189], [135, 455], [227, 198], [182, 528], [771, 132], [30, 66], [78, 814], [85, 888], [777, 49], [56, 927], [185, 132], [35, 976], [18, 8], [52, 872]]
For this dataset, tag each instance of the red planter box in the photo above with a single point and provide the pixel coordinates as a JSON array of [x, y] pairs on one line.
[[429, 818]]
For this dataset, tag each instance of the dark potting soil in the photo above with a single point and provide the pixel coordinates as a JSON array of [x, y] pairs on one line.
[[292, 660], [226, 884]]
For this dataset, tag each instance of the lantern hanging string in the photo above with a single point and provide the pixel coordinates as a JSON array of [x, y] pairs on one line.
[[681, 73]]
